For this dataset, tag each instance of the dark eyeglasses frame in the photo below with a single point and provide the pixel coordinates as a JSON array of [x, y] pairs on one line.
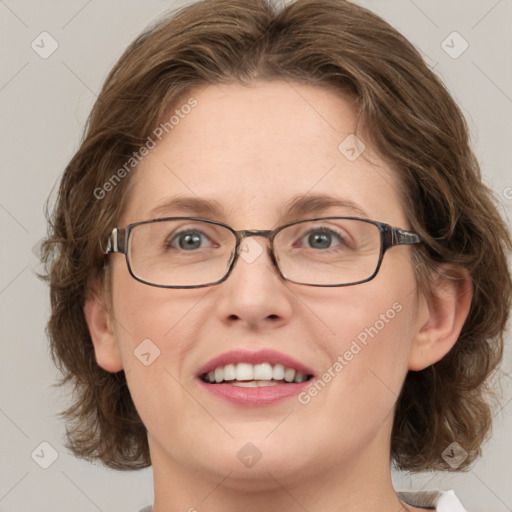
[[390, 236]]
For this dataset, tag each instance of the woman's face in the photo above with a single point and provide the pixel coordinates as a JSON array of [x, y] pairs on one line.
[[252, 150]]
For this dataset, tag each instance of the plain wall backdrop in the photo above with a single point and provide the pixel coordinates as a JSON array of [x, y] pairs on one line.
[[46, 91]]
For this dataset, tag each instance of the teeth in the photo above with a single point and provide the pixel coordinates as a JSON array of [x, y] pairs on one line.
[[248, 375], [278, 372], [229, 372], [243, 371], [255, 383], [289, 374], [262, 371]]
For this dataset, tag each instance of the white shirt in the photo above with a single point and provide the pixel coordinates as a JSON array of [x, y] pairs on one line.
[[441, 501]]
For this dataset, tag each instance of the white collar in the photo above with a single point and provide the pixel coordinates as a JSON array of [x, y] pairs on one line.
[[443, 501]]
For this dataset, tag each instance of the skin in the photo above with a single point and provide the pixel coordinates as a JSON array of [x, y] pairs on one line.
[[251, 149]]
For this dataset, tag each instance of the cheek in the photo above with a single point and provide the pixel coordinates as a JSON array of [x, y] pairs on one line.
[[134, 309], [360, 389], [369, 357], [384, 355], [143, 312], [152, 327], [374, 356]]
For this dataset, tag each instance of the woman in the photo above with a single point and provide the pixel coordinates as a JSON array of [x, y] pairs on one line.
[[274, 268]]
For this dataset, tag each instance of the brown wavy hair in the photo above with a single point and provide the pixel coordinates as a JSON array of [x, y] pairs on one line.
[[403, 110]]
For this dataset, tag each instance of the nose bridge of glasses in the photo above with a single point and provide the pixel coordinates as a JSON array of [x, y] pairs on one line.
[[250, 254], [266, 233], [247, 233]]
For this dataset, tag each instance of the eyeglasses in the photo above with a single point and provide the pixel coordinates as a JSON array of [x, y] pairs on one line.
[[191, 252]]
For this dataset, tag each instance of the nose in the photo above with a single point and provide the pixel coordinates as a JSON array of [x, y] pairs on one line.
[[254, 293]]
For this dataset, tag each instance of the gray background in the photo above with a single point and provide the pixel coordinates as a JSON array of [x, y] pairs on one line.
[[44, 104]]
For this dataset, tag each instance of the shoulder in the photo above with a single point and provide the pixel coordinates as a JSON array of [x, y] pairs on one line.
[[443, 501]]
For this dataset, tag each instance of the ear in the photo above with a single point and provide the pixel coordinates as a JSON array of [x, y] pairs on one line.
[[102, 334], [446, 310]]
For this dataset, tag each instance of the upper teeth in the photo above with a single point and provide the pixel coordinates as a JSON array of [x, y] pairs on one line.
[[262, 371]]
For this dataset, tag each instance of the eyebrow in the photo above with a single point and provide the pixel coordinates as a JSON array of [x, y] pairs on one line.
[[297, 206]]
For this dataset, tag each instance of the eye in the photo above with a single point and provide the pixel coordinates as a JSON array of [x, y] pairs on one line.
[[187, 239], [322, 238]]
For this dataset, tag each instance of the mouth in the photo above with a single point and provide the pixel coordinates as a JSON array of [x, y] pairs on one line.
[[249, 375], [246, 378]]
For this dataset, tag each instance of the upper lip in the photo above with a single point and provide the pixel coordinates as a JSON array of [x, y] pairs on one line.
[[261, 356]]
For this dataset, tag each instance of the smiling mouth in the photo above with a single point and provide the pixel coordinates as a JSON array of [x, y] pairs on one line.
[[254, 375]]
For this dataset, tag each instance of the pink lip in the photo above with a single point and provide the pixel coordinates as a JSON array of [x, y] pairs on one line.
[[261, 356], [253, 397]]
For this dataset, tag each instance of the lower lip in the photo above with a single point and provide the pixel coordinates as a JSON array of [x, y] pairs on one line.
[[253, 397]]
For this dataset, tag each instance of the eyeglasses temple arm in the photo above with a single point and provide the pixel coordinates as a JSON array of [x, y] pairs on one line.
[[403, 237], [115, 242]]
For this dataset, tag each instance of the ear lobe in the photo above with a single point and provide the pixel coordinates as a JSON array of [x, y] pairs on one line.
[[447, 310], [102, 334]]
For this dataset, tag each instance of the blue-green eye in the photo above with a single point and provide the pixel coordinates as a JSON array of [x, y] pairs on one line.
[[187, 240]]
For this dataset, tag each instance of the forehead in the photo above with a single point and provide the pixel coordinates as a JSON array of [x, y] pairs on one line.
[[252, 151]]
